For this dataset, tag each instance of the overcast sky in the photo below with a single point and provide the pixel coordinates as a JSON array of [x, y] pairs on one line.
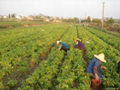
[[65, 8]]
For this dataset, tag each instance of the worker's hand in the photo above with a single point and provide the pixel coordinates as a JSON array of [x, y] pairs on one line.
[[103, 67], [59, 48], [97, 77], [91, 75]]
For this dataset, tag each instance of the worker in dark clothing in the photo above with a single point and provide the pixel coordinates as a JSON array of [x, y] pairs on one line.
[[118, 67], [63, 46], [80, 45], [94, 70]]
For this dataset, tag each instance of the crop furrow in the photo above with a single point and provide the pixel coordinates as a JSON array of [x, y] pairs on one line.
[[52, 46], [105, 39]]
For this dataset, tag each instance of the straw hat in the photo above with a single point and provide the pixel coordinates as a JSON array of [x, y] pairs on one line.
[[78, 39], [101, 57]]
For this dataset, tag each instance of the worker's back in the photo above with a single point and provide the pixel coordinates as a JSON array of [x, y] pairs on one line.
[[65, 45], [81, 45], [94, 63]]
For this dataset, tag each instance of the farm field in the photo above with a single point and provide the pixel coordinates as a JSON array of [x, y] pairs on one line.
[[30, 59]]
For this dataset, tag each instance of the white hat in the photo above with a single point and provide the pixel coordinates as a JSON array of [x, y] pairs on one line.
[[58, 42], [101, 57]]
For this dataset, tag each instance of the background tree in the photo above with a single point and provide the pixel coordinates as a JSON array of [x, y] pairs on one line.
[[110, 21]]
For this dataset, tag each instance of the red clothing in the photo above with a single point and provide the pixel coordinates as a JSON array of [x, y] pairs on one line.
[[96, 84]]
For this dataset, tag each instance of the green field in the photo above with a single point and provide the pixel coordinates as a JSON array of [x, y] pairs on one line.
[[30, 60]]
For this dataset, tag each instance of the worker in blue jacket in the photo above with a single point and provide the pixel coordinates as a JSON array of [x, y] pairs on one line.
[[94, 70], [63, 46]]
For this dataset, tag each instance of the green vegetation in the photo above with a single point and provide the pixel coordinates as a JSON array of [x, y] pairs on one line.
[[30, 60], [97, 45]]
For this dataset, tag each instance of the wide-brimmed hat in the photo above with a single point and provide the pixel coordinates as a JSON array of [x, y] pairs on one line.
[[78, 39], [101, 57]]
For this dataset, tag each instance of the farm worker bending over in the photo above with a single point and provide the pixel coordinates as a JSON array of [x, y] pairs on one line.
[[80, 46], [94, 70], [63, 46], [118, 67]]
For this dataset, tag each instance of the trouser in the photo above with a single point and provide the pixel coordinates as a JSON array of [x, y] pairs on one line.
[[118, 67], [65, 49], [96, 84]]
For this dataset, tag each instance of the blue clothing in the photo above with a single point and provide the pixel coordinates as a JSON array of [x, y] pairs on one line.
[[93, 63], [65, 45]]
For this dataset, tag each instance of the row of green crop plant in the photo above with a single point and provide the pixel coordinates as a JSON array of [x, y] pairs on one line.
[[70, 72], [73, 75], [21, 49], [42, 76], [95, 46], [110, 39], [45, 83], [70, 36]]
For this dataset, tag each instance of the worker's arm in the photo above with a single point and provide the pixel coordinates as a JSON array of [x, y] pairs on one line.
[[103, 67], [53, 44], [75, 46], [60, 47], [95, 70]]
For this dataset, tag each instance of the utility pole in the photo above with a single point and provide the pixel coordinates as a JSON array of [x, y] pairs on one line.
[[103, 14], [79, 20]]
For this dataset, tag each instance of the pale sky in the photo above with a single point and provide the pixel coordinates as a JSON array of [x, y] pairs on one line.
[[65, 8]]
